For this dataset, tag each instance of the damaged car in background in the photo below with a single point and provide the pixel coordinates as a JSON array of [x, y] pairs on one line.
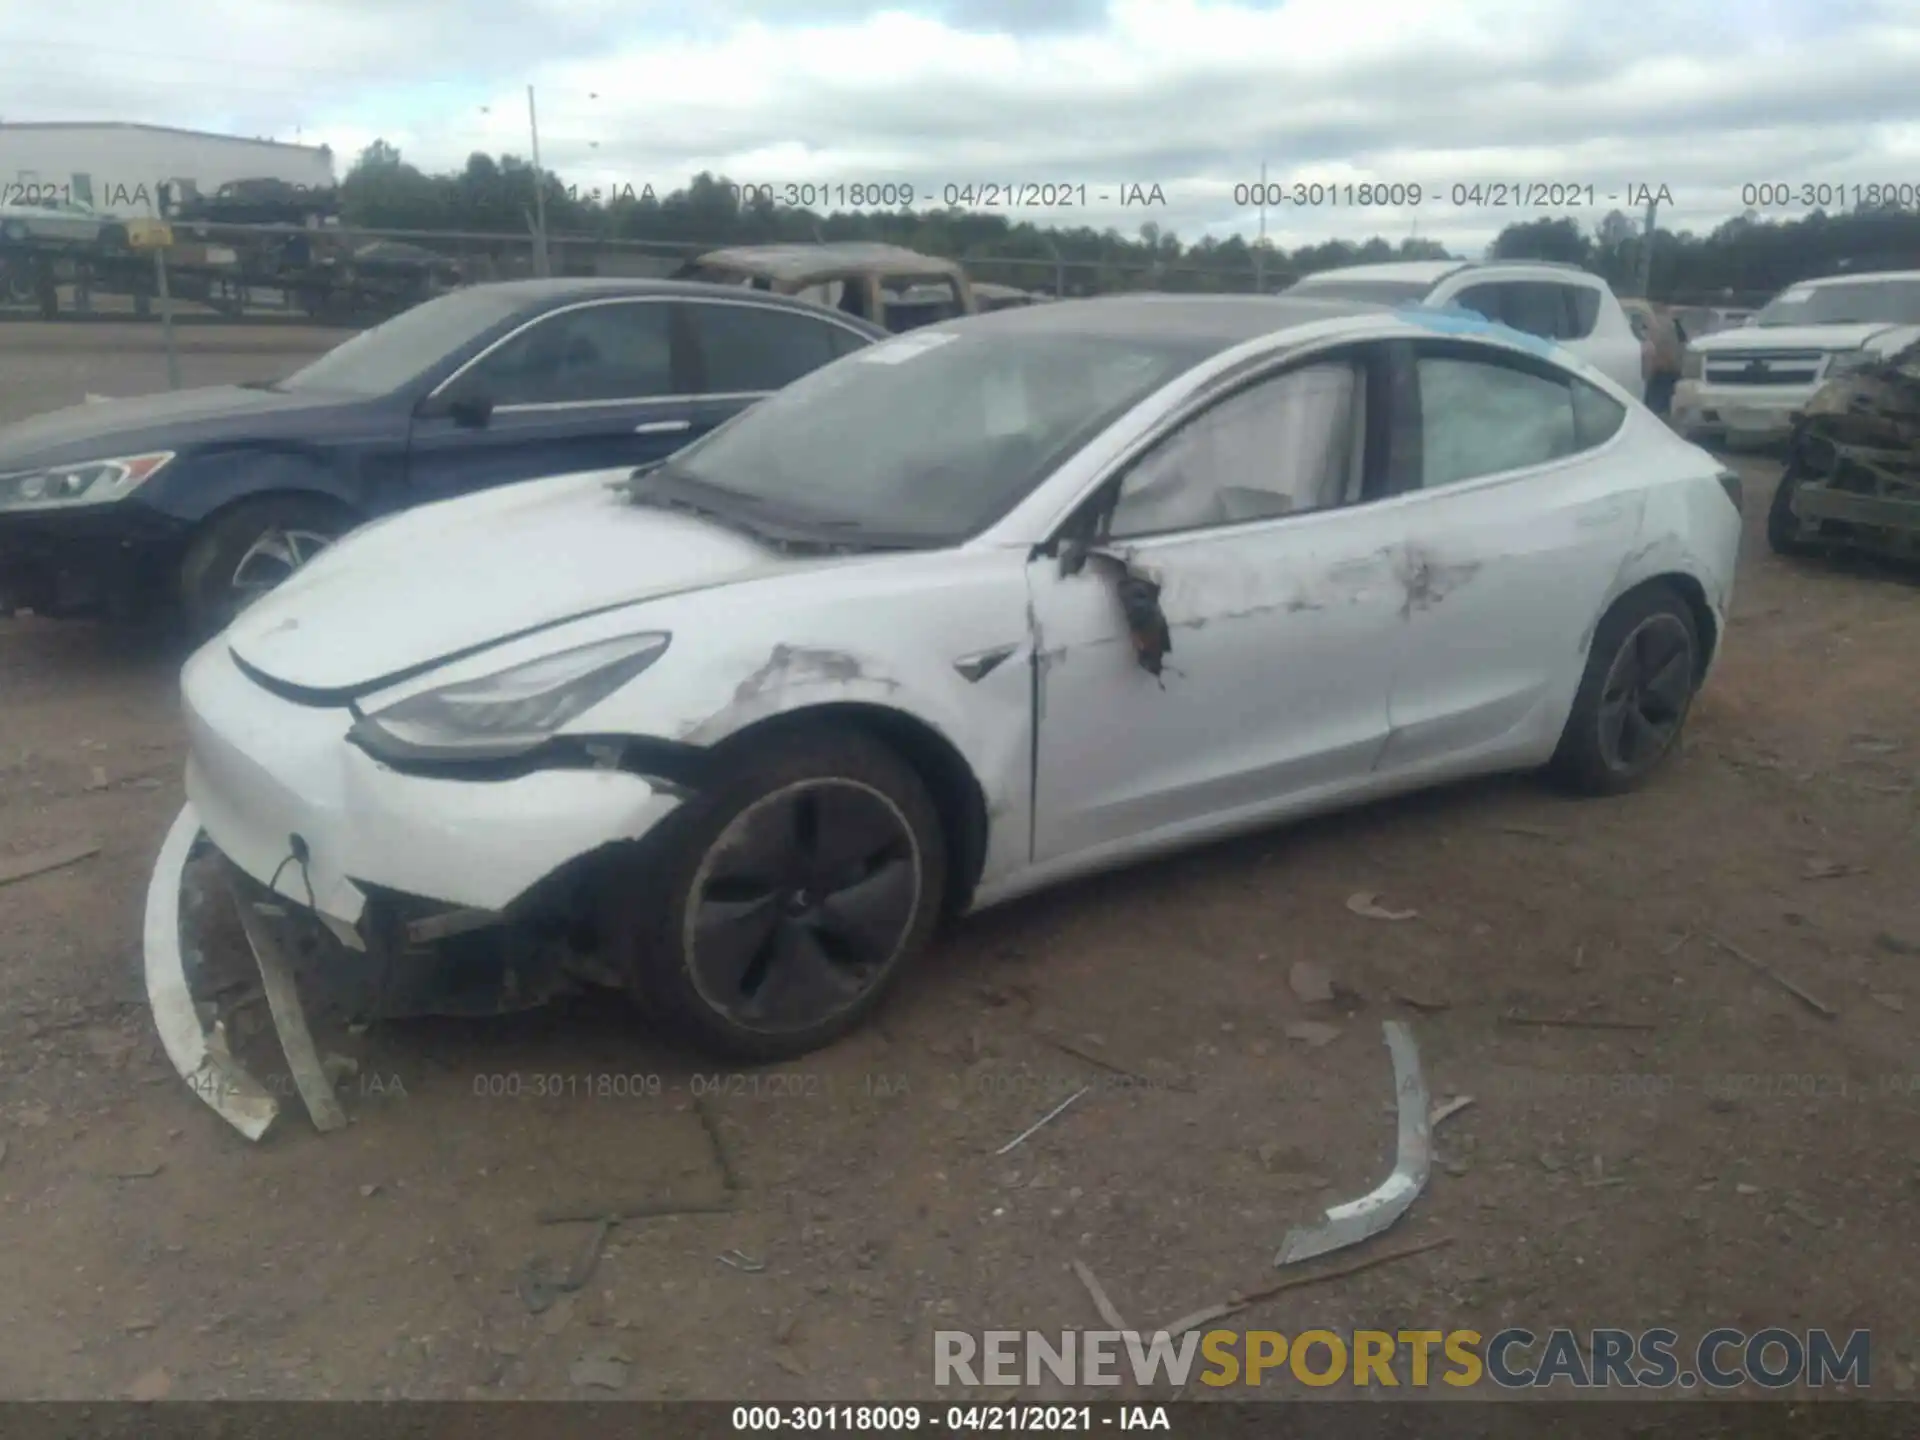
[[1852, 477], [1097, 581]]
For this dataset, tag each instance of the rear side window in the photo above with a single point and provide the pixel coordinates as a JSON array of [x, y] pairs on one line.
[[1481, 417], [753, 349], [1547, 308], [1596, 415], [1538, 308], [1583, 310]]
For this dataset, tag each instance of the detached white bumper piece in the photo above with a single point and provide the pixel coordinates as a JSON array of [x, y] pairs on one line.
[[198, 1053], [1375, 1211]]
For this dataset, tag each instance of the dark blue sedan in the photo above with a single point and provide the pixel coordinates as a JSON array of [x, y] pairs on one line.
[[204, 499]]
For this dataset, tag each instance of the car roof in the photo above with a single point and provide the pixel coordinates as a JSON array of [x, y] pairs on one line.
[[1855, 279], [1432, 272], [1218, 321], [1416, 272], [547, 294], [799, 263]]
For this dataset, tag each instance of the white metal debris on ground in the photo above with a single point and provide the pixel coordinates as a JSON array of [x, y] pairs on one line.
[[1375, 1211]]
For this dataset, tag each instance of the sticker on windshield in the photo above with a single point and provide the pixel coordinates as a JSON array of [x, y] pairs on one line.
[[893, 352], [1796, 295]]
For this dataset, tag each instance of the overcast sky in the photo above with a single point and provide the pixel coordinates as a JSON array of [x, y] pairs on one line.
[[1699, 97]]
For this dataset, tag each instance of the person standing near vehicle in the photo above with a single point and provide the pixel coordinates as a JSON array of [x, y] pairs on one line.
[[1662, 346]]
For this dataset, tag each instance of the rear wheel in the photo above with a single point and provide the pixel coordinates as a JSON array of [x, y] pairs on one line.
[[251, 549], [778, 908], [1641, 674]]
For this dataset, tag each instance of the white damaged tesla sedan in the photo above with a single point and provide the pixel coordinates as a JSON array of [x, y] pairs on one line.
[[1002, 601]]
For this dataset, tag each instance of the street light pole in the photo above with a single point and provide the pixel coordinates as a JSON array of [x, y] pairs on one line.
[[1645, 277], [1260, 245], [539, 193]]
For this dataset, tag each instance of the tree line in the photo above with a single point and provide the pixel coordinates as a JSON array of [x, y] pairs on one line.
[[1741, 261]]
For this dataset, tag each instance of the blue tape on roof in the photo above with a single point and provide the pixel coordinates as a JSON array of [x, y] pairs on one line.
[[1455, 320]]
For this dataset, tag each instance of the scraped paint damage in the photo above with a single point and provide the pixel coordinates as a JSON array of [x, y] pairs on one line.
[[791, 666], [1426, 583]]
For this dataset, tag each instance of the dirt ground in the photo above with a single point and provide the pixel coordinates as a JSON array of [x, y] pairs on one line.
[[1734, 1159]]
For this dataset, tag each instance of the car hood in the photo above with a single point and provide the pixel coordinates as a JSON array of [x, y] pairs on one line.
[[171, 420], [1749, 338], [428, 586]]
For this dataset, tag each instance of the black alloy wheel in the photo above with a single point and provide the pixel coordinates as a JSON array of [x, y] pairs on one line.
[[802, 904], [1642, 672], [770, 913], [1646, 694]]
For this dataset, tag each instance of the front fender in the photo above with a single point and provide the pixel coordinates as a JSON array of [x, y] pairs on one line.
[[202, 484]]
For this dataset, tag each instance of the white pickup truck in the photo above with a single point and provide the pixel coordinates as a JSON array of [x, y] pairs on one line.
[[1749, 385]]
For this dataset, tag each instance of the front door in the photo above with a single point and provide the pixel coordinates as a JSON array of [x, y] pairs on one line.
[[1276, 586], [589, 387], [1513, 534]]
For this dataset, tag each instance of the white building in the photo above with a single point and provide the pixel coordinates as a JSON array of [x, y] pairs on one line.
[[117, 168]]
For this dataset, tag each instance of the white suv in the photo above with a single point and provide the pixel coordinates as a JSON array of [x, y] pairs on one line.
[[1751, 384], [1563, 303]]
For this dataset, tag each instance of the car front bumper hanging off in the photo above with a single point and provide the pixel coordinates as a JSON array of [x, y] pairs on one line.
[[197, 1047]]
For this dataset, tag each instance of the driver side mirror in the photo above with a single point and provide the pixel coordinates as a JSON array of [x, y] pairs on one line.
[[473, 412], [470, 412]]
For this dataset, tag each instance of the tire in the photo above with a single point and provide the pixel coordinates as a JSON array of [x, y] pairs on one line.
[[779, 972], [1615, 739], [232, 561], [1783, 529]]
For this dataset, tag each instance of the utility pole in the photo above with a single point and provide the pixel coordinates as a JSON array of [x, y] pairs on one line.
[[539, 193], [1260, 245], [1646, 252]]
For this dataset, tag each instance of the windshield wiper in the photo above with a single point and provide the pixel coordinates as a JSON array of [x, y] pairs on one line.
[[272, 385], [662, 484]]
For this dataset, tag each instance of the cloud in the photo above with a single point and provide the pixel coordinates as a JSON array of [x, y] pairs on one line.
[[1696, 96]]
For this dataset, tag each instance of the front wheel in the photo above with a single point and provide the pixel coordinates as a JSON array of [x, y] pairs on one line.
[[1784, 533], [1639, 683], [778, 908], [251, 549]]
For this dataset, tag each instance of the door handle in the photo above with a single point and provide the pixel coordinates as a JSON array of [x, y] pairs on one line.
[[663, 427]]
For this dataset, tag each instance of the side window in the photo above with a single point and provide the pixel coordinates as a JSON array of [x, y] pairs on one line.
[[1282, 447], [1583, 311], [751, 349], [621, 351], [1480, 418], [1538, 307], [1596, 416], [1487, 300], [845, 341]]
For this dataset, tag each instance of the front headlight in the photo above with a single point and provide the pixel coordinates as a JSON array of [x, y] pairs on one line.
[[1849, 360], [1692, 365], [92, 482], [506, 714]]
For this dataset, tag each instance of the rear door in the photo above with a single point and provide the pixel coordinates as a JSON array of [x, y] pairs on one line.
[[742, 351], [1516, 518], [591, 386]]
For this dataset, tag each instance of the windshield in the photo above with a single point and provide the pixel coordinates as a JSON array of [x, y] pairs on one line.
[[381, 360], [1369, 292], [929, 438], [1860, 302]]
